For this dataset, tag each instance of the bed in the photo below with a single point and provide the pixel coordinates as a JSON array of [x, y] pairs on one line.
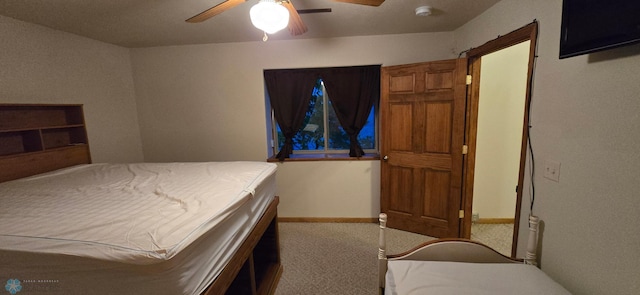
[[72, 227], [461, 266], [153, 228]]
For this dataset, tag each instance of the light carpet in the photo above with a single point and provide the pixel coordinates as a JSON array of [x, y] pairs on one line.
[[335, 258], [496, 236], [341, 258]]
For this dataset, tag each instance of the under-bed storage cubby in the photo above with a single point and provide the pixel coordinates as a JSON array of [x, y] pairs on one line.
[[244, 283], [266, 258], [262, 267]]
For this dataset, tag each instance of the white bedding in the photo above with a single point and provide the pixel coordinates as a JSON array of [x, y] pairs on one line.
[[165, 228], [405, 277]]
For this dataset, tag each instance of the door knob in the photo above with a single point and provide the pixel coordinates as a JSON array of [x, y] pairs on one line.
[[385, 158]]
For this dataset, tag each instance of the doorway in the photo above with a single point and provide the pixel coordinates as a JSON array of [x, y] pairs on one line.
[[501, 108], [497, 134], [433, 193]]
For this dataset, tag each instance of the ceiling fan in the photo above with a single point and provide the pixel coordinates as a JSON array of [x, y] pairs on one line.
[[295, 24]]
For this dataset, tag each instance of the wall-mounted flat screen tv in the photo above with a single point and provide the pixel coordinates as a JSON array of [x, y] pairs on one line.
[[594, 25]]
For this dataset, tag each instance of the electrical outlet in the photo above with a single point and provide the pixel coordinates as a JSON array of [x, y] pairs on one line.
[[552, 170]]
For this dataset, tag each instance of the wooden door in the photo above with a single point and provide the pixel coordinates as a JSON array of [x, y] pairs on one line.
[[422, 126]]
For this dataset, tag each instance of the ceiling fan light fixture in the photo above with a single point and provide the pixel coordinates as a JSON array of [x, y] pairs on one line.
[[269, 16]]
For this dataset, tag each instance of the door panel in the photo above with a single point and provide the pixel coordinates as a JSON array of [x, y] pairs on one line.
[[436, 195], [442, 80], [438, 130], [422, 127], [401, 184], [401, 120], [402, 83]]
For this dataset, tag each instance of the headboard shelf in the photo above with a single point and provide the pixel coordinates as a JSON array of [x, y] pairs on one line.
[[44, 127], [29, 133]]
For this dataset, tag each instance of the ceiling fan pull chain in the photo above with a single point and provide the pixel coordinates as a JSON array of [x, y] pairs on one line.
[[265, 37]]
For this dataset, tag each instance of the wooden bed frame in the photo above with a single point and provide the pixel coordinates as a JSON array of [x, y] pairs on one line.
[[452, 250], [254, 269]]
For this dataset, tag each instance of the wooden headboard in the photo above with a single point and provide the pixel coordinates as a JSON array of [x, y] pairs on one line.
[[38, 138]]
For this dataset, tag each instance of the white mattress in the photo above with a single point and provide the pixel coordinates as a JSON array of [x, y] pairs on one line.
[[405, 277], [128, 228]]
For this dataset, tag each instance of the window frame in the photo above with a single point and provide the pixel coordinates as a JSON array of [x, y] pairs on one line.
[[326, 153]]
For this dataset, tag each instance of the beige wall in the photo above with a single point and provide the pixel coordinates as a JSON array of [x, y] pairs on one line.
[[40, 65], [585, 116], [503, 85], [329, 189], [206, 103]]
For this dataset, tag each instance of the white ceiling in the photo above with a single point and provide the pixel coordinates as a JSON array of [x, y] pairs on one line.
[[147, 23]]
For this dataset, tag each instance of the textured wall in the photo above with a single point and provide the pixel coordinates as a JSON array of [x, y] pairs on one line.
[[40, 65]]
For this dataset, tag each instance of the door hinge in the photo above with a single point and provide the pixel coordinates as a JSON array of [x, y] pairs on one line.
[[465, 149], [461, 214], [468, 79]]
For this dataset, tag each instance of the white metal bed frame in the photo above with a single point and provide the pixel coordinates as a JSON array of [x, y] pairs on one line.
[[453, 250]]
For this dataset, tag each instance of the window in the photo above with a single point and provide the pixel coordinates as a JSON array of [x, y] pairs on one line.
[[323, 111], [321, 122]]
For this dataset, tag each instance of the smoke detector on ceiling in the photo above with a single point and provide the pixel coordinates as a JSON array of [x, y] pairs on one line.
[[423, 11]]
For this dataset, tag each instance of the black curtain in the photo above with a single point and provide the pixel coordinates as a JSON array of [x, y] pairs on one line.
[[352, 91], [289, 93]]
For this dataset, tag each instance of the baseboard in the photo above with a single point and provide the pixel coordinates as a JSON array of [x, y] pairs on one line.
[[494, 220], [328, 219]]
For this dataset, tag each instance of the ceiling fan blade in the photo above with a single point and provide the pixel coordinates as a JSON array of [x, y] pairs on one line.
[[363, 2], [296, 26], [213, 11], [314, 10]]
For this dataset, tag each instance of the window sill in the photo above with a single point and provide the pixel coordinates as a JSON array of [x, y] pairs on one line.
[[326, 157]]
